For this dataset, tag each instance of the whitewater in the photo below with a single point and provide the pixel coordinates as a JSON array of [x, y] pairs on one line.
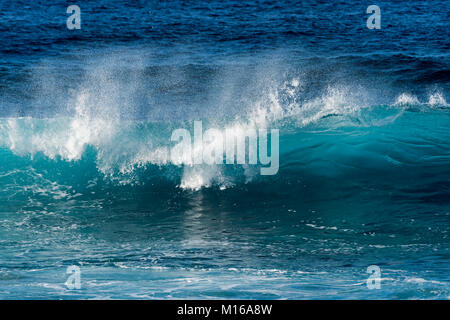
[[361, 118]]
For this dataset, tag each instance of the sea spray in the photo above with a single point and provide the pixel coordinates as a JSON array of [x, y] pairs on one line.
[[213, 146]]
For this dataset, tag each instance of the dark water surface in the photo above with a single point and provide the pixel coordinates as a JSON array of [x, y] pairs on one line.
[[364, 175]]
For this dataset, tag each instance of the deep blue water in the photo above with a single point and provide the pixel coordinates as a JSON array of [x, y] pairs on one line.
[[364, 175]]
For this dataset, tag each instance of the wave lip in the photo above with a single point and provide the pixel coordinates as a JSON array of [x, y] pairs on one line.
[[127, 151], [123, 147]]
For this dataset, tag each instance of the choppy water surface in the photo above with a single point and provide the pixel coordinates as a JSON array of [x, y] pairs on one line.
[[364, 175]]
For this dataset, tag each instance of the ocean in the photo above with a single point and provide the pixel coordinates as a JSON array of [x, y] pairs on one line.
[[93, 207]]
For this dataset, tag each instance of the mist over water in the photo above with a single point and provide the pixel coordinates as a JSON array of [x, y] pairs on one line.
[[364, 177]]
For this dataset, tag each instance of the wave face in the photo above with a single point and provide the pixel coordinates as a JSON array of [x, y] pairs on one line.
[[134, 152], [364, 169]]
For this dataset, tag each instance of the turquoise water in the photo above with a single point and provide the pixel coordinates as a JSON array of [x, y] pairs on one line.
[[364, 173], [344, 198]]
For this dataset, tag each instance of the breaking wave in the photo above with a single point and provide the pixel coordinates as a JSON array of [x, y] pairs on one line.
[[102, 124]]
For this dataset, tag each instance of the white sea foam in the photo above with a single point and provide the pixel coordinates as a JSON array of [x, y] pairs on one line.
[[437, 99], [434, 99], [406, 99], [95, 121]]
